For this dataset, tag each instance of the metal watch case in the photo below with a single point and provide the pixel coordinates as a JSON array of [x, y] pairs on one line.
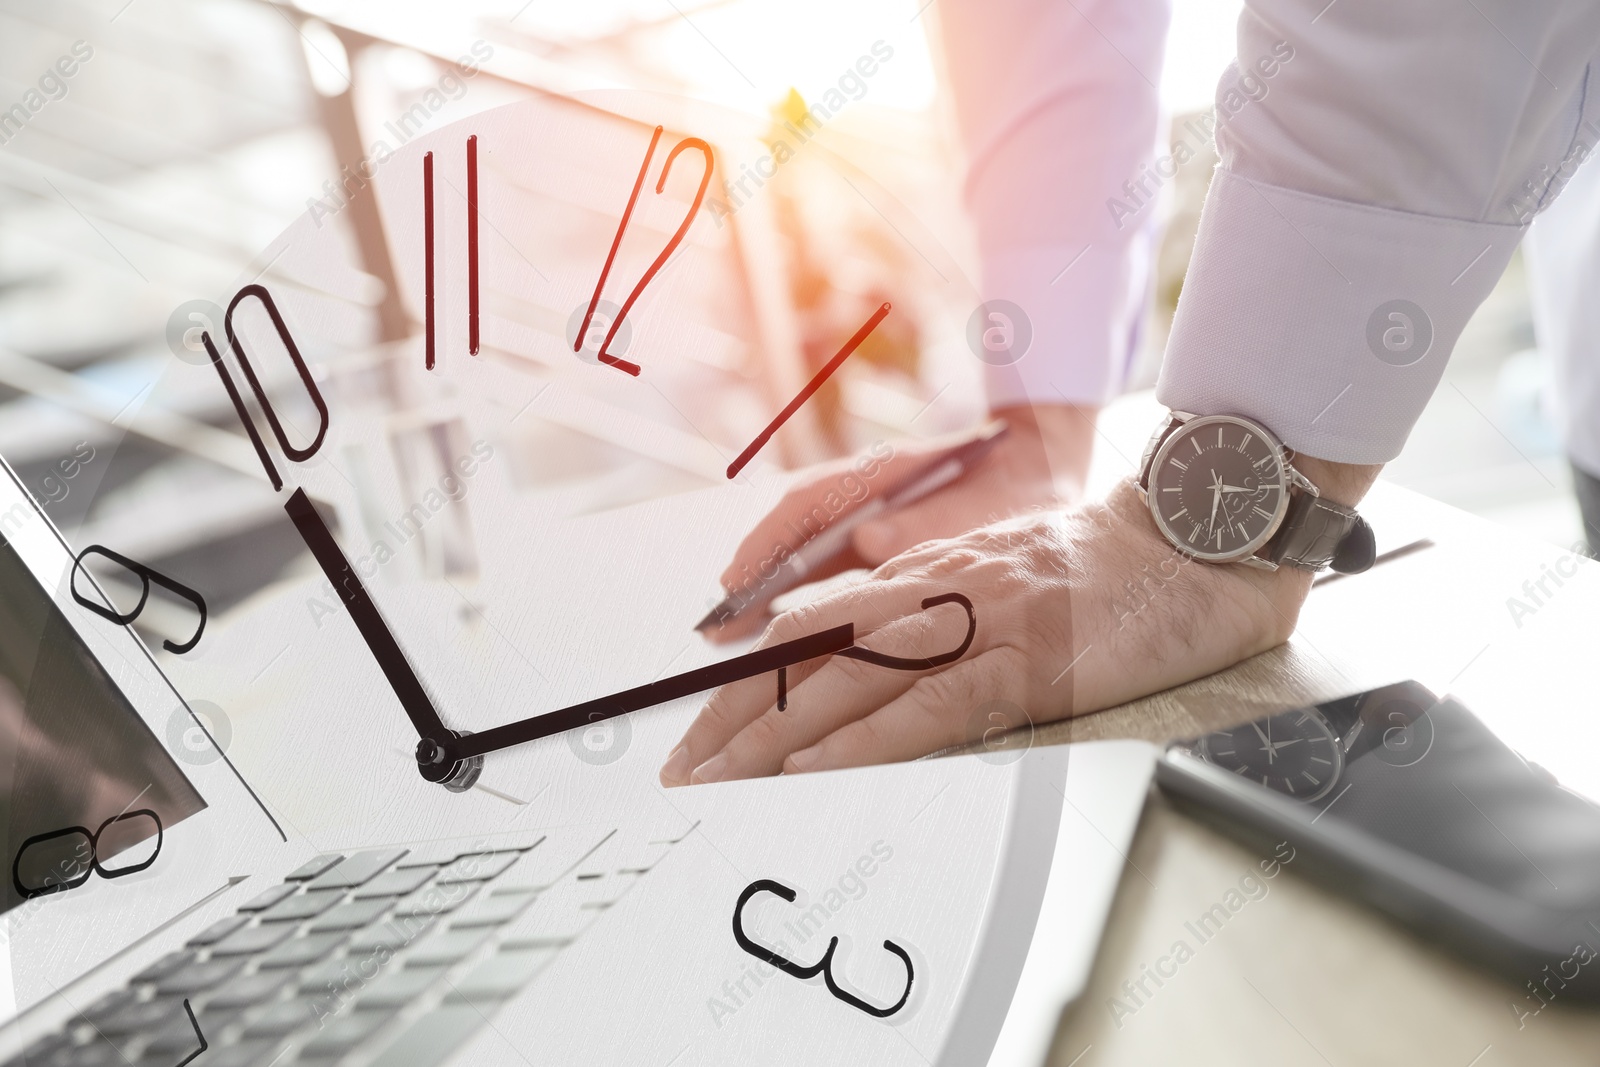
[[1179, 427]]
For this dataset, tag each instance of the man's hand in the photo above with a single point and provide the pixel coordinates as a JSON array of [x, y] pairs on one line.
[[1043, 461], [1077, 610]]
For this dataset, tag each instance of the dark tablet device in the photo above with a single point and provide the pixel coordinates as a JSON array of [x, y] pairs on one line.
[[1412, 804]]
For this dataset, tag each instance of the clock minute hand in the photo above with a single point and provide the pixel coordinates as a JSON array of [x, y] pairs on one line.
[[439, 757], [380, 641], [762, 661]]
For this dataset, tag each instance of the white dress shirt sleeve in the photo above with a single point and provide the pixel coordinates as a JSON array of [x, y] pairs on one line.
[[1057, 105], [1368, 198]]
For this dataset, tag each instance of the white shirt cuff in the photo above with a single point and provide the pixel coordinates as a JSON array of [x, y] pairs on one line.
[[1329, 322]]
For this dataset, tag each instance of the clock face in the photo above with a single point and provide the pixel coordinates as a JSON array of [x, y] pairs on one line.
[[1295, 753], [465, 464], [1218, 487]]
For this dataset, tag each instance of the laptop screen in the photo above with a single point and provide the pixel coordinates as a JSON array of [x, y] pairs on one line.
[[85, 788]]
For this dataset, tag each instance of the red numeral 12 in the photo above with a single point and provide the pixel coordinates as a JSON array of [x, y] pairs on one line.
[[677, 239]]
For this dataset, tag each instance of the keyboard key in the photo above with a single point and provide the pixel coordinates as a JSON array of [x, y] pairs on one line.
[[350, 916], [436, 899], [196, 977], [97, 1053], [398, 988], [109, 1004], [335, 971], [312, 868], [672, 837], [478, 868], [248, 990], [357, 869], [591, 892], [619, 853], [280, 1019], [444, 948], [301, 951], [433, 1038], [550, 922], [557, 854], [176, 1040], [391, 936], [502, 974], [641, 858], [344, 1033], [218, 930], [242, 1054], [301, 906], [268, 897], [165, 966], [252, 939], [439, 853], [38, 1054], [143, 1015], [395, 883], [493, 910]]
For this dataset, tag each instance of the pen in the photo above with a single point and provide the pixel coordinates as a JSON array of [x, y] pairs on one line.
[[933, 475]]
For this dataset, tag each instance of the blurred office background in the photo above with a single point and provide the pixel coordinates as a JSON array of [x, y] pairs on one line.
[[198, 129]]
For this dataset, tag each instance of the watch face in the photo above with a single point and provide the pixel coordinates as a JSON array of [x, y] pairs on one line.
[[1295, 753], [1218, 487]]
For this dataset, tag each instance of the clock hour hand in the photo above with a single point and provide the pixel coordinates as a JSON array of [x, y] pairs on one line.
[[439, 757], [380, 641]]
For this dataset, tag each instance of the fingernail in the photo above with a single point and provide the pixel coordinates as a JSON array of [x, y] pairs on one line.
[[803, 761], [711, 770], [676, 770]]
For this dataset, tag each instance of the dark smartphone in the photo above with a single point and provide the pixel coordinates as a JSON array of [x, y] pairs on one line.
[[1415, 806]]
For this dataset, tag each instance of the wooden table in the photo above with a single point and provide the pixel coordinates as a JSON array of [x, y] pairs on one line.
[[1303, 975]]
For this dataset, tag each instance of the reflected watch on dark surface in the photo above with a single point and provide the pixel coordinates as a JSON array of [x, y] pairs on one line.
[[1302, 753]]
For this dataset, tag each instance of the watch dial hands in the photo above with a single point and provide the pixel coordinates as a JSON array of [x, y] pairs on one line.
[[1266, 739], [438, 754], [1216, 498]]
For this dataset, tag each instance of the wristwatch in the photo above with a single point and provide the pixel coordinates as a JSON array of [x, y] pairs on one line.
[[1224, 489]]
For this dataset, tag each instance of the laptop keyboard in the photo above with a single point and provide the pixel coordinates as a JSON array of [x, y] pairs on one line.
[[389, 957]]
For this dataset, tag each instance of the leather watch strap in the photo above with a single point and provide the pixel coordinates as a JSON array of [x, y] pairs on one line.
[[1317, 533]]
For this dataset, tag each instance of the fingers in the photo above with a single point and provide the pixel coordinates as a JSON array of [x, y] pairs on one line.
[[946, 513], [842, 690], [932, 714], [813, 505], [888, 612]]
